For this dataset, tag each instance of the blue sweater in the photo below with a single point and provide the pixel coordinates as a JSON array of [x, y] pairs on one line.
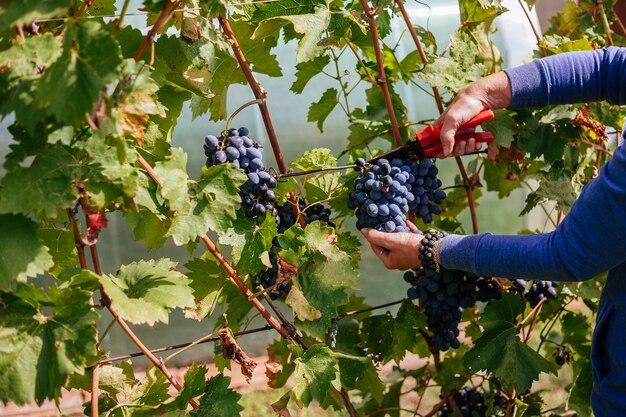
[[592, 237]]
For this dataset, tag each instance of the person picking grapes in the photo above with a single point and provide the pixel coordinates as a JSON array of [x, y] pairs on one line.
[[591, 238]]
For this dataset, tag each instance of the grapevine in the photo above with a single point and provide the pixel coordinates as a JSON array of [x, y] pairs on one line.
[[93, 106]]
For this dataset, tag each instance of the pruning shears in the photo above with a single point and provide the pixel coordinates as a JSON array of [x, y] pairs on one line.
[[427, 144]]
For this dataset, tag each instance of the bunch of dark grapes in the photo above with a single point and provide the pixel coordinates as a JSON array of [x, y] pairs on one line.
[[473, 403], [236, 147], [286, 219], [537, 291], [563, 354], [426, 191], [444, 295], [385, 191]]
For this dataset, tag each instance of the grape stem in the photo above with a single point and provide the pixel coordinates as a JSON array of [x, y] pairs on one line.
[[248, 104], [190, 345], [161, 21]]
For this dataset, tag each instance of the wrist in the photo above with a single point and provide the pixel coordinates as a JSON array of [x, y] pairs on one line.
[[493, 91], [429, 250]]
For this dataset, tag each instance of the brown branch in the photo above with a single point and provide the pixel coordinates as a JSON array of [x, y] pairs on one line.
[[420, 49], [161, 21], [95, 390], [534, 321], [381, 80], [86, 5]]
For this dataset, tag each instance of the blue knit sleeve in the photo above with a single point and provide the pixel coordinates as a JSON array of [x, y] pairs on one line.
[[591, 239], [572, 77]]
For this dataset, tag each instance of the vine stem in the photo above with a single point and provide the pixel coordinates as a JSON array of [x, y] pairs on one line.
[[106, 301], [161, 21], [469, 186], [356, 54], [183, 345], [605, 21], [260, 95], [236, 112], [536, 311], [381, 80], [420, 49], [86, 5], [120, 23], [534, 29]]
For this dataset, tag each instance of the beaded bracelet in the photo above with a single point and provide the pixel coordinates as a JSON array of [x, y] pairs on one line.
[[428, 255]]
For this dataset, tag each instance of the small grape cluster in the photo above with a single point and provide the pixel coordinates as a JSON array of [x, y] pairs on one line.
[[236, 147], [287, 218], [537, 291], [563, 354], [386, 190], [472, 402]]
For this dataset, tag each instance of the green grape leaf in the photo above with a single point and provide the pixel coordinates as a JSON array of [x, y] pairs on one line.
[[514, 364], [360, 372], [457, 70], [547, 137], [501, 314], [324, 272], [42, 348], [311, 26], [318, 112], [390, 338], [216, 196], [315, 159], [351, 245], [257, 51], [279, 367], [149, 227], [251, 242], [316, 373], [300, 306], [556, 185], [23, 253], [208, 279], [219, 400], [173, 173], [194, 386], [503, 127], [146, 291], [44, 187], [284, 8], [20, 12], [305, 71], [580, 390], [91, 59], [62, 247]]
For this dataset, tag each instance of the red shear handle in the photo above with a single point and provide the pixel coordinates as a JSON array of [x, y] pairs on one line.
[[430, 134], [436, 149]]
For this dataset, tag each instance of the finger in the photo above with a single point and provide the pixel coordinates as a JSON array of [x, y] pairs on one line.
[[470, 145], [459, 148], [376, 237], [478, 146], [411, 226], [382, 254], [448, 130]]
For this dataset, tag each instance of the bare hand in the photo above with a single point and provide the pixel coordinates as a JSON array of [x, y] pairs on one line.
[[395, 250], [492, 92]]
